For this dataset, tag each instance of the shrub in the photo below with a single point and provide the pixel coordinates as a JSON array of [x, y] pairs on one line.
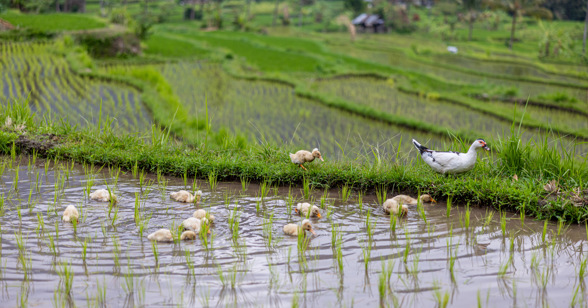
[[107, 44]]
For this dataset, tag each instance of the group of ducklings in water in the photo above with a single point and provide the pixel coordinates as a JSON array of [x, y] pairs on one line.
[[192, 225]]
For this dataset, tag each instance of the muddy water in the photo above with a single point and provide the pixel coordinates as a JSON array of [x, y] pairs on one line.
[[407, 267]]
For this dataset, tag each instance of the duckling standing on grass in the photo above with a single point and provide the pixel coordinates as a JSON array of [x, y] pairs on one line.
[[399, 203], [185, 196], [451, 162], [303, 156], [293, 229], [161, 235], [70, 214], [201, 214], [103, 195], [303, 208]]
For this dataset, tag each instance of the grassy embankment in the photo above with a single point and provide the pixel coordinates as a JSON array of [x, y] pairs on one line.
[[490, 184]]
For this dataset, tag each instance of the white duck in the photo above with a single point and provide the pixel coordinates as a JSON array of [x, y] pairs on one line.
[[103, 195], [451, 162], [303, 156], [201, 214], [293, 229], [70, 214], [303, 208], [185, 196], [399, 203], [161, 235]]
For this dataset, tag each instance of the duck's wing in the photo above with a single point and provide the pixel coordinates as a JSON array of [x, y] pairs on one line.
[[441, 161]]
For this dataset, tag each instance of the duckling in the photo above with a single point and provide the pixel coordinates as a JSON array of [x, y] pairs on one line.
[[185, 196], [103, 195], [303, 156], [293, 229], [303, 208], [201, 214], [192, 224], [161, 235], [188, 235], [393, 205], [70, 214]]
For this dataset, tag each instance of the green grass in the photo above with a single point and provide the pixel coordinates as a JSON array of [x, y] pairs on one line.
[[167, 46], [53, 22]]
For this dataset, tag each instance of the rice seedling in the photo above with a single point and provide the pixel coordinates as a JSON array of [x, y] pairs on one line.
[[67, 275], [503, 223], [346, 192], [369, 226], [504, 267], [574, 300], [544, 233], [142, 224], [393, 220], [290, 201], [360, 201], [52, 246], [582, 269], [339, 253], [263, 190], [84, 249], [381, 194], [56, 230], [366, 252], [155, 253], [268, 230], [189, 262], [40, 223], [467, 216], [16, 179], [306, 188], [488, 218], [441, 299], [245, 183], [212, 180], [522, 215], [560, 227]]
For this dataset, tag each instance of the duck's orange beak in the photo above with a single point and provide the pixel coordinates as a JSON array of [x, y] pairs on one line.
[[296, 210], [433, 200], [321, 158], [312, 231], [318, 215]]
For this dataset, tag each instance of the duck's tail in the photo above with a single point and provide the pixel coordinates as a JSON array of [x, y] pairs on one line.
[[419, 147]]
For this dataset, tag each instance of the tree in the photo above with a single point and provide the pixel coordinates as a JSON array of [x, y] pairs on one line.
[[516, 8], [585, 29], [357, 6], [471, 14]]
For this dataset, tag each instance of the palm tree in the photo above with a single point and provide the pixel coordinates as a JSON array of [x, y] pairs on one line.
[[471, 8], [516, 8]]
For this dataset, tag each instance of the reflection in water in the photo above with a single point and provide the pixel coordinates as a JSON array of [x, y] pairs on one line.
[[474, 255]]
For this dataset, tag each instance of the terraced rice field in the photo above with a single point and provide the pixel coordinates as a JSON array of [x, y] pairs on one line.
[[398, 59], [33, 72], [270, 111]]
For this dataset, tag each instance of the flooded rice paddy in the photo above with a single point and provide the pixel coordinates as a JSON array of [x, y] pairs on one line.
[[442, 256]]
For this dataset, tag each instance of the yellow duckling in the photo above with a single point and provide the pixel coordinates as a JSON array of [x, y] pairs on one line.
[[185, 196], [103, 195], [70, 214], [399, 203], [161, 235], [293, 229], [201, 214], [303, 156], [188, 236], [303, 208]]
